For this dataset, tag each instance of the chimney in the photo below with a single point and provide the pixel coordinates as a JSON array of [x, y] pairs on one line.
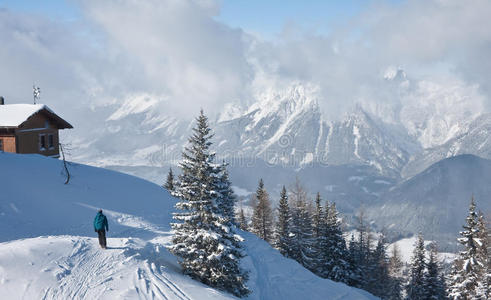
[[2, 100]]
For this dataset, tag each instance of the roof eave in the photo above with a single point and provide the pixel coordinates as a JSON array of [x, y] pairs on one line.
[[61, 124]]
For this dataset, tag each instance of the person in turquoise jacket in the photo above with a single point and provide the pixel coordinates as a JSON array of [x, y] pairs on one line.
[[100, 226]]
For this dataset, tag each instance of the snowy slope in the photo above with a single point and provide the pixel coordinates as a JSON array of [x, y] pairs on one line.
[[73, 267], [34, 200], [66, 262]]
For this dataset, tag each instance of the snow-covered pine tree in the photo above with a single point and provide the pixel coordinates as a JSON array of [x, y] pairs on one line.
[[335, 254], [317, 218], [378, 282], [469, 271], [169, 183], [355, 270], [396, 274], [362, 247], [484, 252], [452, 284], [282, 230], [262, 217], [225, 201], [364, 238], [207, 249], [318, 237], [301, 227], [241, 220], [434, 286], [415, 287]]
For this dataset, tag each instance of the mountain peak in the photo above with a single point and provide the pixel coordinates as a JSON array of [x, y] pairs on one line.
[[291, 99], [395, 74]]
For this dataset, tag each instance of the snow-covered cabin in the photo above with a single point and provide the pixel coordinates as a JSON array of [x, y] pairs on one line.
[[30, 128]]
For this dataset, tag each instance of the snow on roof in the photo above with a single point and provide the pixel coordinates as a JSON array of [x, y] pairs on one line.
[[12, 115]]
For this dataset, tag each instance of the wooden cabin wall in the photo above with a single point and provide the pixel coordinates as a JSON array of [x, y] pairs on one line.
[[28, 136]]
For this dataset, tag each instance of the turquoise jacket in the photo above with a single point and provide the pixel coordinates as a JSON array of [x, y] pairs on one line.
[[100, 222]]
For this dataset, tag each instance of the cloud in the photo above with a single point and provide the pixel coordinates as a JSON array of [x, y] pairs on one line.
[[426, 33], [441, 41], [38, 50], [178, 49], [177, 52]]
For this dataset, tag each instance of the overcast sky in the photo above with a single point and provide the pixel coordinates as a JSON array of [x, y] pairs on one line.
[[204, 53]]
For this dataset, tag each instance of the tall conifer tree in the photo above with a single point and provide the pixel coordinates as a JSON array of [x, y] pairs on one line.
[[301, 227], [336, 263], [318, 218], [434, 285], [415, 287], [469, 270], [318, 237], [241, 220], [169, 183], [282, 239], [356, 273], [395, 272], [378, 282], [484, 254], [207, 249], [360, 251], [262, 217], [225, 202]]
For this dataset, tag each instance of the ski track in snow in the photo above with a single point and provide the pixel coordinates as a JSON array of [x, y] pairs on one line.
[[88, 272]]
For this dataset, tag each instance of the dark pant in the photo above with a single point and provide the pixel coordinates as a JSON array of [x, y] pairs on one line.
[[102, 237]]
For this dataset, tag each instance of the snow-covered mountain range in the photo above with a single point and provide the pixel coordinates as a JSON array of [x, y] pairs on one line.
[[289, 129], [474, 140], [353, 159], [289, 126]]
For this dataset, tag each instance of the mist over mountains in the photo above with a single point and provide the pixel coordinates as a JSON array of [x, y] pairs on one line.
[[367, 157], [290, 126]]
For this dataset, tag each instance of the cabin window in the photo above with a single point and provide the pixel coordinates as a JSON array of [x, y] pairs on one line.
[[51, 141], [1, 144], [42, 142]]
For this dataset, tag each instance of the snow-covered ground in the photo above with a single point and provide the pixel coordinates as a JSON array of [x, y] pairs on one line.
[[74, 267], [48, 249], [406, 247]]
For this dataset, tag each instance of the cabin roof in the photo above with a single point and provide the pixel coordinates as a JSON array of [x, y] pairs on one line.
[[14, 115]]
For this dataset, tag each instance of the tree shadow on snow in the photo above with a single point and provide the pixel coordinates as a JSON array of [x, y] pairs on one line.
[[156, 254]]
